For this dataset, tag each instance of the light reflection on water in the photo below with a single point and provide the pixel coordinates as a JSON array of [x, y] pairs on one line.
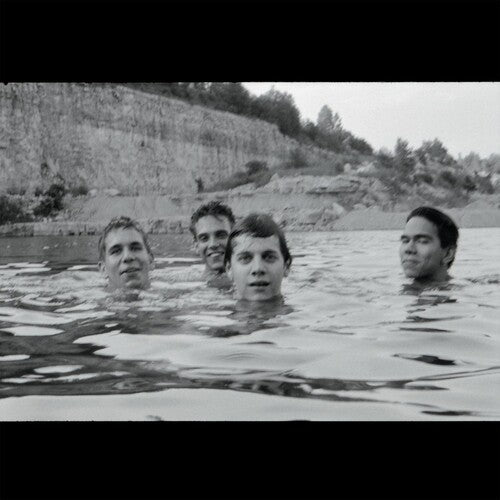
[[352, 340]]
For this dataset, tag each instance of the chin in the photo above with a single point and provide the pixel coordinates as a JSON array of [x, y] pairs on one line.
[[135, 285], [216, 269], [260, 297]]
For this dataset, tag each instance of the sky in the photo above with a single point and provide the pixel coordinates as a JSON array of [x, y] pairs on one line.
[[464, 116]]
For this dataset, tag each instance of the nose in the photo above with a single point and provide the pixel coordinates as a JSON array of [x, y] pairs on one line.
[[410, 247], [127, 255], [258, 267], [212, 242]]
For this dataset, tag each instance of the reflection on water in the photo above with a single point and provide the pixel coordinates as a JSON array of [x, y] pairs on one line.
[[351, 340]]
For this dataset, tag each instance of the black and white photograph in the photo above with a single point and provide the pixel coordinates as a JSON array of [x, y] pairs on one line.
[[250, 251]]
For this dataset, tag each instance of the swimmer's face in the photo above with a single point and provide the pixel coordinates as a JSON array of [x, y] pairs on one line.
[[421, 254], [211, 238], [127, 261], [257, 267]]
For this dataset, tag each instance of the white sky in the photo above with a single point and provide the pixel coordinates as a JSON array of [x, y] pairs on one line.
[[465, 116]]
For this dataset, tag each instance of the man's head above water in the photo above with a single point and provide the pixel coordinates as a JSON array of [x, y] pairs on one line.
[[257, 258], [428, 245], [210, 226], [125, 256]]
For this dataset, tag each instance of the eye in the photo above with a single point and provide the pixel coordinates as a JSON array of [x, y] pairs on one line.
[[425, 241], [404, 239], [221, 235], [270, 257], [136, 248], [114, 250], [244, 259], [203, 238]]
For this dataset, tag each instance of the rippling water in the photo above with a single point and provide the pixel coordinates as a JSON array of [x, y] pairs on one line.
[[352, 341]]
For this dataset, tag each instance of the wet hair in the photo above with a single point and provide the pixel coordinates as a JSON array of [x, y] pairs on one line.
[[446, 228], [215, 208], [258, 226], [121, 222]]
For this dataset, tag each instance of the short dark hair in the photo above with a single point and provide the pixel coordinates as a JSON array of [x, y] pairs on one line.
[[215, 208], [258, 226], [446, 228], [121, 222]]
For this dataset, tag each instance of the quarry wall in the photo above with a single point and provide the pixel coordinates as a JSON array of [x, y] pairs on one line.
[[113, 137]]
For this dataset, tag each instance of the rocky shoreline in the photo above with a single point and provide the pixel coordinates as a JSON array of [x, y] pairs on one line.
[[309, 220]]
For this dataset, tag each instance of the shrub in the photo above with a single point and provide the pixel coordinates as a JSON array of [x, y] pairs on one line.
[[16, 190], [297, 159], [337, 166], [254, 166], [79, 190], [261, 178], [423, 177], [12, 210], [468, 184], [237, 179], [484, 184], [448, 177], [51, 201]]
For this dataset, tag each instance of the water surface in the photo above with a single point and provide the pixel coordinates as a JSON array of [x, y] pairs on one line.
[[352, 340]]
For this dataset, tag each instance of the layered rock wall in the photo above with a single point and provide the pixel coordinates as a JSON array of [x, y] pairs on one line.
[[103, 136]]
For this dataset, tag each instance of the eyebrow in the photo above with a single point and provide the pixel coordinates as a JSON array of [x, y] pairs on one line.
[[264, 252], [120, 245], [244, 252], [419, 235]]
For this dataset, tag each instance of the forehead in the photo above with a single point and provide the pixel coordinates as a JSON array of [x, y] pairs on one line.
[[123, 236], [420, 225], [212, 223], [249, 243]]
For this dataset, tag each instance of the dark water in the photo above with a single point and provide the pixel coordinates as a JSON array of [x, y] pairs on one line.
[[352, 339]]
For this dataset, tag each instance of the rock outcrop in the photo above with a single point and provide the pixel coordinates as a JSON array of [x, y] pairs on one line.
[[108, 137]]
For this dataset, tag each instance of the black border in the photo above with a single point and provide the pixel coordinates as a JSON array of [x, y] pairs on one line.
[[249, 41], [231, 460], [274, 40]]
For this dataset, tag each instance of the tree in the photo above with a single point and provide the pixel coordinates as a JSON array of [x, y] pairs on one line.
[[328, 123], [279, 108], [403, 157], [230, 96], [434, 151], [360, 145], [310, 130], [331, 135]]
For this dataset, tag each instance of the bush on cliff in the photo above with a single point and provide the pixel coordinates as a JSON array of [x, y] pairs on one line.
[[256, 172], [12, 210], [51, 201], [79, 190], [297, 159]]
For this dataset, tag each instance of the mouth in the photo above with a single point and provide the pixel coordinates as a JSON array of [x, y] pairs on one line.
[[259, 284], [410, 262], [215, 254], [130, 271]]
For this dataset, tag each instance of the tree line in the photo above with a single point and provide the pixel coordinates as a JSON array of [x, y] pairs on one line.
[[327, 133], [273, 106]]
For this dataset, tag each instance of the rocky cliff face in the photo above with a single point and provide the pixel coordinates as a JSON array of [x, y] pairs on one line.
[[113, 137]]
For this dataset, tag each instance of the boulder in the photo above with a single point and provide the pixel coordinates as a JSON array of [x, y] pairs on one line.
[[111, 192]]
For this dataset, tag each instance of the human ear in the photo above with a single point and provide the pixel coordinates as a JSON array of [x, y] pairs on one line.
[[287, 268], [229, 270], [449, 255], [196, 247], [102, 268]]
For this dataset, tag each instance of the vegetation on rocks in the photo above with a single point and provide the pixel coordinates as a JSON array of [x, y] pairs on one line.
[[19, 208], [13, 209]]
